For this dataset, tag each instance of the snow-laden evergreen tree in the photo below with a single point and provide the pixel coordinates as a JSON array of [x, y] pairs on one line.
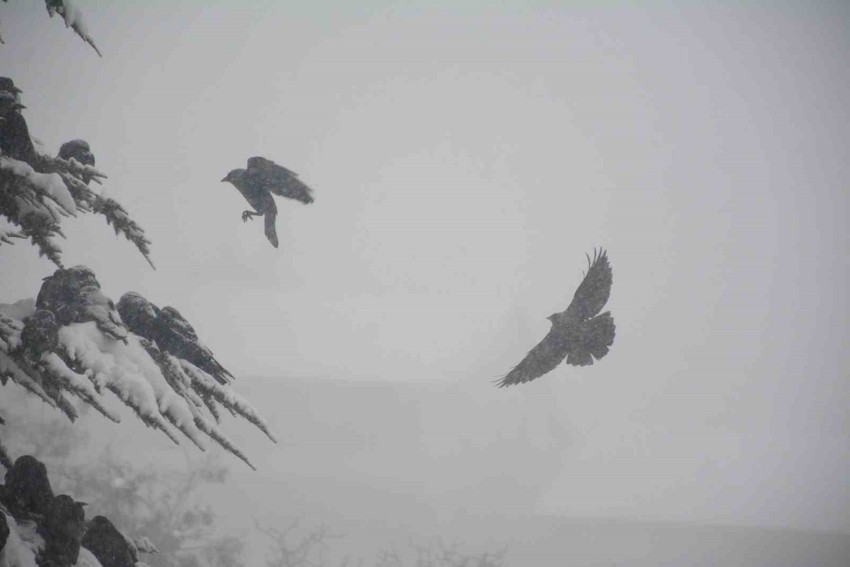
[[74, 342], [70, 345]]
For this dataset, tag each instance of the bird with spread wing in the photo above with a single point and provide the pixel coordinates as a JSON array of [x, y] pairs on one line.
[[580, 334], [259, 181]]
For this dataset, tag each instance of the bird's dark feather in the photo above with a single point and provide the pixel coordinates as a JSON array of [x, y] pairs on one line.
[[541, 359], [259, 163], [271, 231], [171, 332], [175, 335], [593, 339], [279, 180], [15, 139], [594, 290]]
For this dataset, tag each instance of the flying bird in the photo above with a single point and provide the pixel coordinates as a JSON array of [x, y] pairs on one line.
[[579, 333], [171, 332], [259, 181]]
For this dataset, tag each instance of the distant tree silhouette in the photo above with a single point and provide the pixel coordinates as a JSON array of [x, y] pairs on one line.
[[294, 545]]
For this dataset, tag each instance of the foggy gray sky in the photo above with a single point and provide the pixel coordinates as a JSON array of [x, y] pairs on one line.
[[465, 157]]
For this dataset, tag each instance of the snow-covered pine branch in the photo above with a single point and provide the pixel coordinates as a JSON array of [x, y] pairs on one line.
[[38, 190], [117, 216], [73, 17], [36, 200], [76, 177], [74, 342], [7, 235]]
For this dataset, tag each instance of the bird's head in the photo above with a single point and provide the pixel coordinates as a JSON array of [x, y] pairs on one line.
[[138, 314], [72, 514], [8, 103], [234, 175], [7, 84], [79, 150], [556, 318]]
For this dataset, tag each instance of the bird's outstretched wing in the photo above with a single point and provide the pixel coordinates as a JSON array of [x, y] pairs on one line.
[[541, 359], [279, 180], [594, 290]]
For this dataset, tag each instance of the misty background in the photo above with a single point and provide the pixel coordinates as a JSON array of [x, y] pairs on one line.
[[465, 157]]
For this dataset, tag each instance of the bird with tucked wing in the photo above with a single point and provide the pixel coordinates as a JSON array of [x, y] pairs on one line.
[[8, 85], [259, 181], [80, 151], [74, 296], [579, 333], [15, 140], [171, 332]]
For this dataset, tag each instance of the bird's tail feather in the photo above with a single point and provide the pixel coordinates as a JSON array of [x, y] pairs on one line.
[[595, 337], [271, 231]]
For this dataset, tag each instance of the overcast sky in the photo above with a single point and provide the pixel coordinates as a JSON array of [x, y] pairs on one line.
[[465, 156]]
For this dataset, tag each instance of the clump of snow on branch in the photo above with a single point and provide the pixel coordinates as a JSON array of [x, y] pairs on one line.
[[46, 185], [141, 544], [7, 235], [72, 343], [86, 559], [22, 545]]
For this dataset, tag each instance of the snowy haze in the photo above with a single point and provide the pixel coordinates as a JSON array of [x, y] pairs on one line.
[[465, 156]]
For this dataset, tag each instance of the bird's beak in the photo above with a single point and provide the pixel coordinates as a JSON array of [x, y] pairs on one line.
[[15, 90], [19, 106], [223, 180]]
